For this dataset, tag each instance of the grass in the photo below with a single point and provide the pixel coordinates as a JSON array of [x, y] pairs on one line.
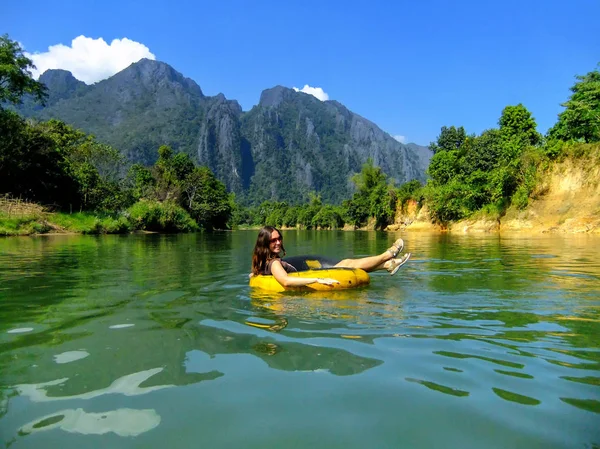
[[22, 225], [88, 223], [141, 216], [82, 223]]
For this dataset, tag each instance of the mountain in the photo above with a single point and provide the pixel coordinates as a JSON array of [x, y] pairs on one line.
[[289, 144]]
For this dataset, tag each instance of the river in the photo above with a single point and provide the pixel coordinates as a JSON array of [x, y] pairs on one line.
[[156, 341]]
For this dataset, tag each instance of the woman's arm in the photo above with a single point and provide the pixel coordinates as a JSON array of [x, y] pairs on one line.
[[282, 277]]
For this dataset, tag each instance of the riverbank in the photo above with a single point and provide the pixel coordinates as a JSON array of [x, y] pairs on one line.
[[566, 200]]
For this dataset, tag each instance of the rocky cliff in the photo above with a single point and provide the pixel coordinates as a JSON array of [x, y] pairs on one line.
[[285, 147]]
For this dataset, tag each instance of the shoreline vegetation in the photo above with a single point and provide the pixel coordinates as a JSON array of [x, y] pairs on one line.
[[57, 179], [565, 199]]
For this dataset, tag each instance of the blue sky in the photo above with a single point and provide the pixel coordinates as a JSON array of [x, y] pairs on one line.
[[409, 66]]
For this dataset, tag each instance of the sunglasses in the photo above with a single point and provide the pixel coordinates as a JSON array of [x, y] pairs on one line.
[[276, 239]]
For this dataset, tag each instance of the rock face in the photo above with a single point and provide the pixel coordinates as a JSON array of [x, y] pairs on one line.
[[288, 145], [567, 202], [64, 85], [219, 143], [304, 144]]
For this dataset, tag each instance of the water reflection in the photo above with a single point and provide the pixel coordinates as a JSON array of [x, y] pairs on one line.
[[70, 356], [124, 422], [440, 388], [128, 385], [279, 352], [515, 397]]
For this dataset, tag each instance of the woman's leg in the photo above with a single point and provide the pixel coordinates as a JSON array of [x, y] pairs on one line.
[[372, 263]]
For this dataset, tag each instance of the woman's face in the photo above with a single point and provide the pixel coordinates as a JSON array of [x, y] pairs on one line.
[[275, 242]]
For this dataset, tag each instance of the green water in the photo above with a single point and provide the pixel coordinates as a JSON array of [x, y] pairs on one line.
[[152, 341]]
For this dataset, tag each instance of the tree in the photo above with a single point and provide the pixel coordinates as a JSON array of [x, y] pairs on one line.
[[307, 212], [96, 167], [141, 181], [443, 167], [206, 199], [328, 217], [167, 184], [449, 139], [410, 190], [15, 75], [374, 198], [446, 202], [581, 118], [32, 166], [482, 152], [182, 165], [517, 125]]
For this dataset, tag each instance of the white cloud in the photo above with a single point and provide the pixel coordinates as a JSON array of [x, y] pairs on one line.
[[314, 91], [399, 138], [90, 60]]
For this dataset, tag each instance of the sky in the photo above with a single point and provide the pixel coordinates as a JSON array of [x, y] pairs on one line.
[[411, 67]]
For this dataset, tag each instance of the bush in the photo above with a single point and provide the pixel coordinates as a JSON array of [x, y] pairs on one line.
[[160, 217], [120, 225], [82, 222], [446, 202], [521, 197]]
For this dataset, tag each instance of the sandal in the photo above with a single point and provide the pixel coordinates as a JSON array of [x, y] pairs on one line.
[[397, 263], [395, 249]]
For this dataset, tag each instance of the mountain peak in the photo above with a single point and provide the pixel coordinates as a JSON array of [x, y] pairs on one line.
[[56, 75], [150, 72], [274, 96], [149, 104], [60, 83]]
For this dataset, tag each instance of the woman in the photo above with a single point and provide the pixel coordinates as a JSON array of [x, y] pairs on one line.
[[266, 260]]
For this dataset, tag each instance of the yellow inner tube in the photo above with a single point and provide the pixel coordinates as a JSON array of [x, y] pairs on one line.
[[347, 277]]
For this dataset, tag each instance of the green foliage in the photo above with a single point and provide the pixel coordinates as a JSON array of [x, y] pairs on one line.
[[141, 182], [15, 75], [412, 190], [517, 125], [357, 211], [206, 199], [167, 182], [290, 219], [444, 166], [88, 223], [469, 173], [581, 118], [374, 198], [160, 217], [52, 163], [24, 225], [449, 139], [482, 152], [182, 165], [96, 168], [80, 222], [581, 151], [276, 215], [446, 201], [328, 217], [32, 166]]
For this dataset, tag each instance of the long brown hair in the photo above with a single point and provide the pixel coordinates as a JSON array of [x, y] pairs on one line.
[[262, 252]]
